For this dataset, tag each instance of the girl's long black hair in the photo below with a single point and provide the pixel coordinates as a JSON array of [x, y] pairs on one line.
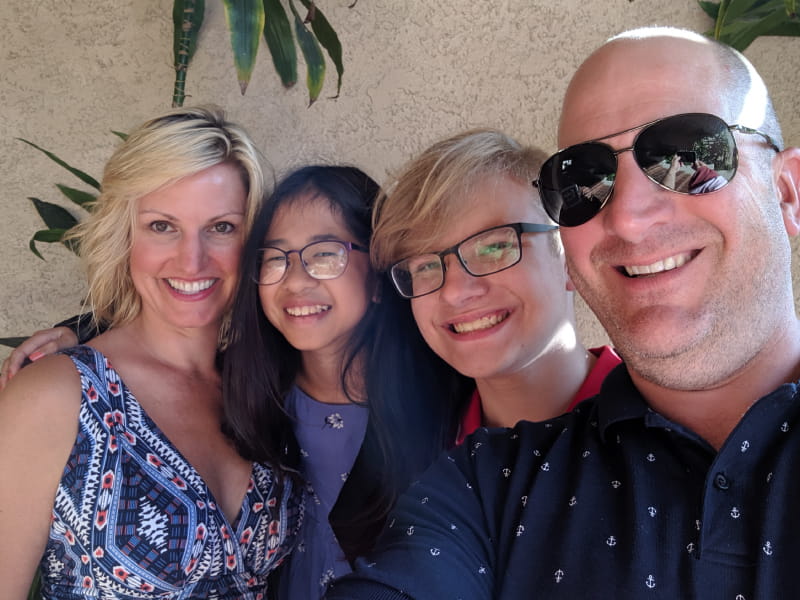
[[414, 398]]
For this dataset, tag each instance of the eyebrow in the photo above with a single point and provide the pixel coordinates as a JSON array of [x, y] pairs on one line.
[[323, 237], [153, 211]]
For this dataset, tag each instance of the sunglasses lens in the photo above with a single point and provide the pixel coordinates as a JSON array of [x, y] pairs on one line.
[[690, 154], [575, 183]]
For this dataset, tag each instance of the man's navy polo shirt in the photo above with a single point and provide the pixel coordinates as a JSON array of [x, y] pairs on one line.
[[609, 501]]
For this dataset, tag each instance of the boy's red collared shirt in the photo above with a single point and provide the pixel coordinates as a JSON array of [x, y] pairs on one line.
[[607, 359]]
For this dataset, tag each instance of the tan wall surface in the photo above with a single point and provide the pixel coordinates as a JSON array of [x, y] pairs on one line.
[[416, 70]]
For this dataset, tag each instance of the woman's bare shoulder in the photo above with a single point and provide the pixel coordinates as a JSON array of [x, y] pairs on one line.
[[50, 388]]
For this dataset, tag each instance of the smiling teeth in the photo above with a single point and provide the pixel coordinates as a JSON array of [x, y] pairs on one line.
[[190, 287], [304, 311], [477, 325], [673, 262]]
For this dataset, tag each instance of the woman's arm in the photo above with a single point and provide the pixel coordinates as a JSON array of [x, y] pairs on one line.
[[38, 425], [75, 330]]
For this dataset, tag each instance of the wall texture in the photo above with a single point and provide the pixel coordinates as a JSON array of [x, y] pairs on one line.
[[416, 70]]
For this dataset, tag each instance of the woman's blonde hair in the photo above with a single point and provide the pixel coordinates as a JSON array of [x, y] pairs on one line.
[[177, 144], [415, 209]]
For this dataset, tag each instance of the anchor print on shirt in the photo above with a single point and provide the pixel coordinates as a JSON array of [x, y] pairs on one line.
[[650, 582]]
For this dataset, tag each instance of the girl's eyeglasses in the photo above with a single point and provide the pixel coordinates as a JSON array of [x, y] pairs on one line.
[[321, 260], [692, 153]]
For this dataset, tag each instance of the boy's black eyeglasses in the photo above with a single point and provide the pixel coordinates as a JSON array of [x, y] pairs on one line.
[[321, 260], [693, 153], [483, 253]]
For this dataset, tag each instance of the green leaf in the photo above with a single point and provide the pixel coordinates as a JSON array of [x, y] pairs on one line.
[[79, 197], [736, 9], [86, 178], [312, 53], [762, 18], [739, 22], [50, 236], [13, 342], [120, 135], [710, 8], [328, 38], [187, 18], [246, 23], [53, 215], [278, 34]]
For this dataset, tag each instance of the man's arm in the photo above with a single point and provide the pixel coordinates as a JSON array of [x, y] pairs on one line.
[[436, 544]]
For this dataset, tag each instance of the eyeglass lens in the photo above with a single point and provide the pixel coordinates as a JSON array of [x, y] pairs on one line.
[[482, 254], [689, 154], [321, 260]]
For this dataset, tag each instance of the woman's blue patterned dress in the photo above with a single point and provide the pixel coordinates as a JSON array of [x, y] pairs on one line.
[[133, 519]]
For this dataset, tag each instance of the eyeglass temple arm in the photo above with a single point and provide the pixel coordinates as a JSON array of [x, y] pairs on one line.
[[752, 131]]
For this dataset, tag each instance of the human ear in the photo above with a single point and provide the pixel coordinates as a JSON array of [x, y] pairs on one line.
[[569, 285], [377, 291], [787, 186]]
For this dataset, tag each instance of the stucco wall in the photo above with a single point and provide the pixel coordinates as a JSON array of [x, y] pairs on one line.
[[416, 70]]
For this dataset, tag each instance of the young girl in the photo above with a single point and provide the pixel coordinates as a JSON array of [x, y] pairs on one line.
[[327, 372]]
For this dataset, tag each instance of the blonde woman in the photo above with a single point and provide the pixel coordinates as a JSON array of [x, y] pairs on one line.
[[117, 478]]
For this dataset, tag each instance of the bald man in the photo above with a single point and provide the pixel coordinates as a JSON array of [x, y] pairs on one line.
[[680, 479]]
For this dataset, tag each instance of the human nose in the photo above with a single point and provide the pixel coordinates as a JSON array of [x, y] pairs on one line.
[[296, 277], [636, 204], [192, 253], [459, 286]]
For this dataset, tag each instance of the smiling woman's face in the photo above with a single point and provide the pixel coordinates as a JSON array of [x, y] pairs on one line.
[[187, 241]]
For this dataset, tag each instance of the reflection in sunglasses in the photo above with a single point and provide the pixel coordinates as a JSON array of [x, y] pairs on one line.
[[691, 153]]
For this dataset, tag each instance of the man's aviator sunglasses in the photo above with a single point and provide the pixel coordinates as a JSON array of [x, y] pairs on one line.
[[483, 253], [693, 153]]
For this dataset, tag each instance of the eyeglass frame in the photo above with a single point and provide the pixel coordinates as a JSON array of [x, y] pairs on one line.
[[519, 228], [643, 127], [348, 246]]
